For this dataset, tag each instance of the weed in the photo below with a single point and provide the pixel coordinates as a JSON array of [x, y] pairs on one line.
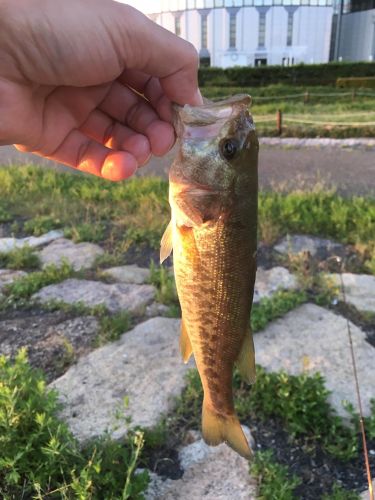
[[274, 481], [41, 224], [274, 307], [163, 279], [5, 216], [39, 456], [20, 258], [93, 232], [112, 327], [26, 286], [108, 260], [338, 493], [316, 284]]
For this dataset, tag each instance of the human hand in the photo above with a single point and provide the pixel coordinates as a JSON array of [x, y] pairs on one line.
[[67, 74]]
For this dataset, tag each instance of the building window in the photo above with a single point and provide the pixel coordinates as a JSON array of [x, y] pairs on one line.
[[262, 29], [289, 36], [260, 61], [177, 25], [232, 30], [204, 31]]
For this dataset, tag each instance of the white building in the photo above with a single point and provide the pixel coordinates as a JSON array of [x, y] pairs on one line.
[[252, 32]]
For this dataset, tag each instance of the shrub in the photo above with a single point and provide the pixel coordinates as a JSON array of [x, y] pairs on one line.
[[39, 457], [309, 74], [356, 82]]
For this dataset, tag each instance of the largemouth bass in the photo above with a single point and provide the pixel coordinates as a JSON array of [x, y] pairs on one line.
[[213, 233]]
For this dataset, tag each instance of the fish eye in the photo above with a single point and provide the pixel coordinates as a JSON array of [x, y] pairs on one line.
[[228, 148]]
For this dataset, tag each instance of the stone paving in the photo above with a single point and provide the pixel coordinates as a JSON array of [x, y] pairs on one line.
[[78, 255], [138, 376]]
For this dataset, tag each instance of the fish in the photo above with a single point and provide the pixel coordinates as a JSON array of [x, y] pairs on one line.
[[213, 195]]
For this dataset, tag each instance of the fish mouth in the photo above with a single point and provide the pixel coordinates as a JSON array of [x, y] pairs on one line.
[[207, 120]]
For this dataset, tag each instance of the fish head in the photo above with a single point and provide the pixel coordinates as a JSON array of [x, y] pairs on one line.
[[218, 146]]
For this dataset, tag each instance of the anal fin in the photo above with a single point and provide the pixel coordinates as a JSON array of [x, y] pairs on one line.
[[185, 344], [246, 359]]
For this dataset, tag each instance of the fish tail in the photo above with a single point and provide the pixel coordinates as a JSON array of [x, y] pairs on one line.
[[218, 429]]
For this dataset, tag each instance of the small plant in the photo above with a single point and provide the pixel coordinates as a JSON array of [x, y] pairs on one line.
[[164, 282], [39, 457], [26, 286], [274, 307], [5, 216], [112, 327], [316, 284], [41, 224], [274, 481], [93, 232], [338, 493], [20, 258]]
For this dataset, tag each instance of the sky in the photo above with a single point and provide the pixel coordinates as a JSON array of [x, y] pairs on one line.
[[146, 6]]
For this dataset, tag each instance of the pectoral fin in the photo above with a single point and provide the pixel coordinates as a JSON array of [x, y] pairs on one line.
[[166, 244], [246, 359], [185, 344]]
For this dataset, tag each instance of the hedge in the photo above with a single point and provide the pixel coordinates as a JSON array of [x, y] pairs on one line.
[[355, 82], [309, 74]]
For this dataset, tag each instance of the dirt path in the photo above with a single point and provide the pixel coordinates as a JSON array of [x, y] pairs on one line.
[[351, 171]]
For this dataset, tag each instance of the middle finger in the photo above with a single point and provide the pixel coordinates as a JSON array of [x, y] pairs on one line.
[[131, 109]]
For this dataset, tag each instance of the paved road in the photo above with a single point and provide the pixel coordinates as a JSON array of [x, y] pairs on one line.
[[351, 171]]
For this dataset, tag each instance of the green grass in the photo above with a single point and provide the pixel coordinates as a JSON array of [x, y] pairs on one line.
[[40, 458], [323, 213], [136, 212], [320, 107], [274, 481], [20, 258]]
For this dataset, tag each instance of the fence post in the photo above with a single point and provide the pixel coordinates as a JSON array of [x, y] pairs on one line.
[[279, 122], [305, 97], [353, 95]]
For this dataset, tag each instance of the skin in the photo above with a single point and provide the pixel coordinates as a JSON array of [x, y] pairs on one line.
[[214, 219], [67, 74]]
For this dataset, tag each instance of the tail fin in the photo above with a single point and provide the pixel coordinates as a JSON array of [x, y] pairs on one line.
[[217, 429]]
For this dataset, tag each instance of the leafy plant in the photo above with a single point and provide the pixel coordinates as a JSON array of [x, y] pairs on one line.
[[20, 258], [112, 327], [26, 286], [41, 224], [93, 232], [274, 307], [39, 456], [338, 493], [274, 481], [5, 216], [163, 279]]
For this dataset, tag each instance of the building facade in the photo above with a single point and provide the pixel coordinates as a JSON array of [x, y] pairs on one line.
[[252, 32], [357, 32]]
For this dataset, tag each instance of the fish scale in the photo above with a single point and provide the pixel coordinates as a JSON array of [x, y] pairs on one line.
[[213, 236]]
